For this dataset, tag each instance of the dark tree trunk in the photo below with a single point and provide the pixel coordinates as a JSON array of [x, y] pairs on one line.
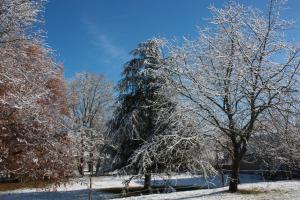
[[91, 168], [91, 164], [239, 150], [235, 173], [81, 166], [147, 182], [98, 167]]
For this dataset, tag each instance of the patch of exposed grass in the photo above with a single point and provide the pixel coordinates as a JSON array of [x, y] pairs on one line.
[[31, 184], [253, 191], [257, 191]]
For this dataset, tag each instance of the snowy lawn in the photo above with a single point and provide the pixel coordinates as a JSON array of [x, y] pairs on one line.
[[78, 189], [264, 190], [75, 189]]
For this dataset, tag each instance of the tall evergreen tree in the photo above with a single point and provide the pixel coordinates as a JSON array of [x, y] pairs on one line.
[[139, 101]]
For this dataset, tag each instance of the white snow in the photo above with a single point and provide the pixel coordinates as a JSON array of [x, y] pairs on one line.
[[78, 189], [83, 184], [268, 190]]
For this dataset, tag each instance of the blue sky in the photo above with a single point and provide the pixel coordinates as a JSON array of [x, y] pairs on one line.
[[97, 35]]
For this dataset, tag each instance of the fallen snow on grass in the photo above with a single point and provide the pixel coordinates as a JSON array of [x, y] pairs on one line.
[[104, 182], [264, 190], [82, 184], [252, 188]]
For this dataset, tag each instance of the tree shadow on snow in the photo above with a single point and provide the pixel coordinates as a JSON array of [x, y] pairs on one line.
[[213, 182], [65, 195]]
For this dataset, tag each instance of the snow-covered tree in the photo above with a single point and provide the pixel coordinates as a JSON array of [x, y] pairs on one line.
[[32, 105], [33, 141], [276, 144], [139, 101], [177, 145], [91, 98], [240, 68], [17, 18]]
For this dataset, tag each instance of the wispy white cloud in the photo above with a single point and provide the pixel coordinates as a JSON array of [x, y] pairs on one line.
[[104, 42]]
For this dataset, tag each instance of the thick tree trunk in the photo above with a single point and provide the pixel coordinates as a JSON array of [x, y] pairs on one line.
[[147, 182], [234, 179], [239, 150]]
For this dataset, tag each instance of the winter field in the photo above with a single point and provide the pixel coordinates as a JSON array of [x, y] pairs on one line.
[[262, 190], [133, 87], [252, 187]]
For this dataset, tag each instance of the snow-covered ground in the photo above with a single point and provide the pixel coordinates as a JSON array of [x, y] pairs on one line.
[[280, 190], [78, 189], [75, 189]]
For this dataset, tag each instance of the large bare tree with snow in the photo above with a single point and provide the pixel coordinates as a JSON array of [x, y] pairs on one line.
[[90, 100], [240, 68]]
